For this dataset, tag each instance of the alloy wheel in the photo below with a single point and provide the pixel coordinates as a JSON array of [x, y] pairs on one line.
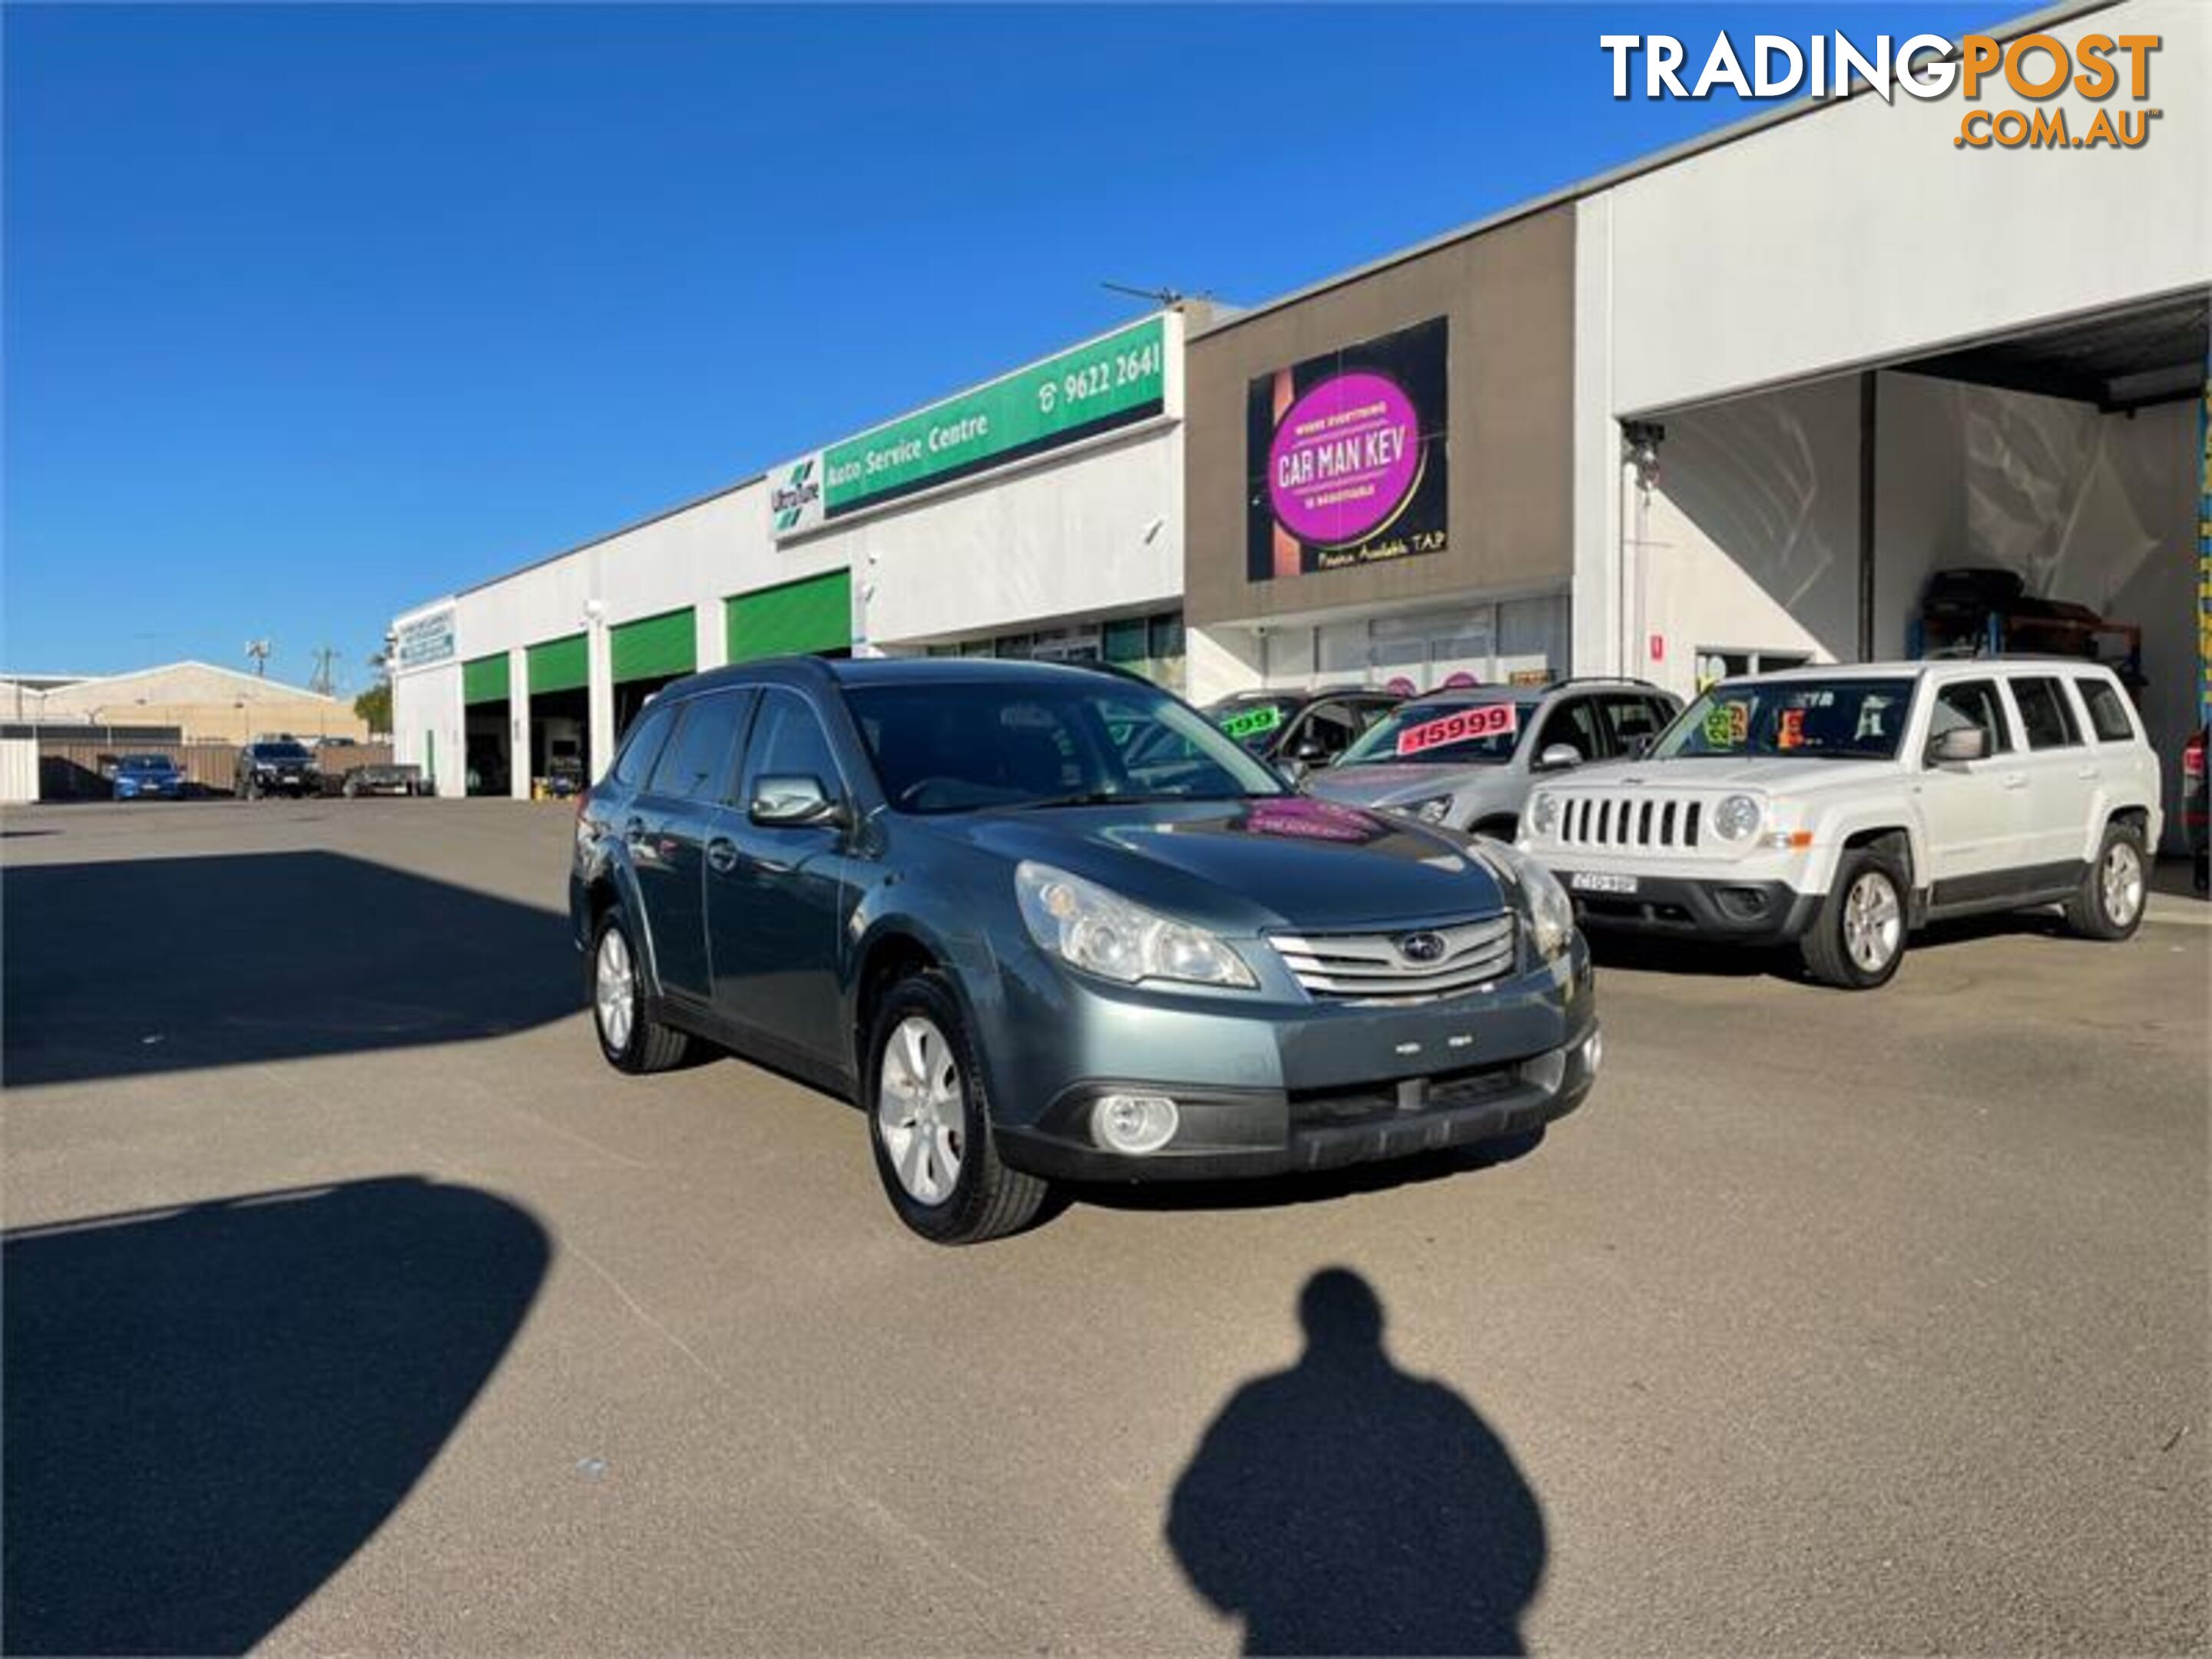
[[921, 1109], [1873, 921], [2123, 880], [614, 994]]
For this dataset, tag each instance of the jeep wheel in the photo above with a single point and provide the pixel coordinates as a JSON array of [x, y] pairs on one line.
[[929, 1122], [1857, 939], [631, 1039], [2112, 900]]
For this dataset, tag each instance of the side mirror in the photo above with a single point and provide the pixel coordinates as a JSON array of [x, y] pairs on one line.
[[1959, 745], [1309, 751], [1558, 757], [1639, 745], [789, 803]]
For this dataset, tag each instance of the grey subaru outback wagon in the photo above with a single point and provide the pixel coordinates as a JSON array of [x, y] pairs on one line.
[[1047, 923]]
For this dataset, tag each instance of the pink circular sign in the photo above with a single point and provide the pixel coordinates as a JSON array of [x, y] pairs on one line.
[[1344, 458]]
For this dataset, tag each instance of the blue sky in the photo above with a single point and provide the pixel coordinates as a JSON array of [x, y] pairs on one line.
[[312, 313]]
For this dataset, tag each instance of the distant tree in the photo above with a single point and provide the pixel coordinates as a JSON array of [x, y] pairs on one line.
[[375, 706]]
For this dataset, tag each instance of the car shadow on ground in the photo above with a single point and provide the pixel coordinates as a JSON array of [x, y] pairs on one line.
[[1702, 959], [208, 1409], [118, 969], [1344, 1507]]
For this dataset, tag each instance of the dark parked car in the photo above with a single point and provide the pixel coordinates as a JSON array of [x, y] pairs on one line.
[[147, 777], [271, 766], [1046, 922], [1302, 730]]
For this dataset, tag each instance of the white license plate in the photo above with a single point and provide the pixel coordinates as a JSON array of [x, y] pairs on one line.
[[1598, 881]]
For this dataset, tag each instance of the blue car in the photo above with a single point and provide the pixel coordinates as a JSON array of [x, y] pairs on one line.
[[148, 777]]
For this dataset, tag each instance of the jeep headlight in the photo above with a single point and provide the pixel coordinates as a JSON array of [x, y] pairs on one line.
[[1543, 812], [1549, 912], [1738, 817], [1101, 933]]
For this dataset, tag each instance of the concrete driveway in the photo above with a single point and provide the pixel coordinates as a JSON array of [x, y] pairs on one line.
[[1832, 1322]]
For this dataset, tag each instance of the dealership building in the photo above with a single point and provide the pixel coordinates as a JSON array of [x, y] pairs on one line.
[[1734, 406]]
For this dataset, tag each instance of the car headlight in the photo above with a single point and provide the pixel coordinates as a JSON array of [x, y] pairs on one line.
[[1104, 933], [1738, 817], [1543, 812], [1551, 913], [1434, 810]]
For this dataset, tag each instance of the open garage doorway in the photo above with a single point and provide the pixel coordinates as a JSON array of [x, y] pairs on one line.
[[560, 715], [2036, 492], [487, 697]]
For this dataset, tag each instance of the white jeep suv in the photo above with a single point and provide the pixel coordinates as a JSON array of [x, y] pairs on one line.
[[1840, 808]]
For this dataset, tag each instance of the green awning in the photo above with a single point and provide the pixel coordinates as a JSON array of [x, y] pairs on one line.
[[655, 648], [484, 679], [560, 665], [790, 619]]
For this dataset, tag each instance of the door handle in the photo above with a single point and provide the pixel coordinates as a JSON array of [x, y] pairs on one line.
[[722, 855], [2089, 773], [633, 832], [2015, 779]]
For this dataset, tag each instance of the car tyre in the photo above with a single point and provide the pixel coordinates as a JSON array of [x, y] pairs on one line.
[[929, 1121], [630, 1038], [1857, 939], [2115, 890], [350, 789]]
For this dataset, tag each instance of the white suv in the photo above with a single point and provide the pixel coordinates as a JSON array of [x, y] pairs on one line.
[[1841, 807]]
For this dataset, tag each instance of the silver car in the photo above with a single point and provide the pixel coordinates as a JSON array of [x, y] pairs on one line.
[[1467, 759]]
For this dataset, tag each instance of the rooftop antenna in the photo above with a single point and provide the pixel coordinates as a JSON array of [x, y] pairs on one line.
[[1166, 298], [324, 679], [257, 653]]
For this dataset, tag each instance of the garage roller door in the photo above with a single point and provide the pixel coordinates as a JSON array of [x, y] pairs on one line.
[[484, 679], [655, 647], [794, 618], [560, 665]]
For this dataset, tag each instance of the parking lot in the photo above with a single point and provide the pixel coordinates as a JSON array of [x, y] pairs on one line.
[[1832, 1322]]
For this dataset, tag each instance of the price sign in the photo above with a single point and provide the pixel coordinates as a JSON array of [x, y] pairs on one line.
[[1252, 722], [1491, 719]]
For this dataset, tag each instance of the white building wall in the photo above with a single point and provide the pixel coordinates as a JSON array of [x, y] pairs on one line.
[[1749, 539], [1096, 529], [426, 712], [1861, 233]]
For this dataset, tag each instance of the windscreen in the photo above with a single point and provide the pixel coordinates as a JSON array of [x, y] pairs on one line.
[[1803, 718], [280, 752], [970, 744], [1440, 733]]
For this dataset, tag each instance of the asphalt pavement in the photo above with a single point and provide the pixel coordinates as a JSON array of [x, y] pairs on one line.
[[351, 1304]]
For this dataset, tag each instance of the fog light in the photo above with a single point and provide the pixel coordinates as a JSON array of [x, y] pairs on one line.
[[1547, 1071], [1135, 1124], [1593, 1052]]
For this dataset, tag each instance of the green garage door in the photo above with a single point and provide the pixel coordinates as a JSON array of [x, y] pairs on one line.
[[655, 647], [484, 679], [560, 665], [792, 619]]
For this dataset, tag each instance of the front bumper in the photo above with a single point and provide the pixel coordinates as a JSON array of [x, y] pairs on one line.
[[1742, 912], [1266, 1087]]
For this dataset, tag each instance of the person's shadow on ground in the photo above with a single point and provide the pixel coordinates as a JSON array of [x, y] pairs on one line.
[[1343, 1507]]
